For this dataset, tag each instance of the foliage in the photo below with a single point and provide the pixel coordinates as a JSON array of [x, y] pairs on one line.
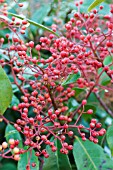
[[56, 85], [5, 91], [94, 4]]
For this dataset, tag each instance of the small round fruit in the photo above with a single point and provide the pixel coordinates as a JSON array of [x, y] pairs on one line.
[[0, 147], [11, 141], [4, 145], [17, 157], [90, 111], [16, 150]]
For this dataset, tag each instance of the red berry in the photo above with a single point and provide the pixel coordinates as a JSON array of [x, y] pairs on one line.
[[94, 121], [109, 44], [70, 133], [62, 137], [37, 154], [92, 125], [53, 148], [46, 155], [84, 138], [70, 147], [33, 164], [38, 47], [12, 146], [98, 125], [20, 5], [65, 145], [57, 112], [31, 44], [84, 102], [43, 137], [95, 140], [94, 134], [53, 116], [101, 7], [90, 111], [91, 138], [65, 126]]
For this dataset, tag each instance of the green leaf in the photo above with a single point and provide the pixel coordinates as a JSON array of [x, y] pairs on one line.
[[88, 106], [94, 4], [33, 23], [108, 1], [5, 91], [15, 101], [110, 138], [108, 60], [86, 117], [56, 160], [41, 13], [72, 78], [92, 99], [78, 90], [5, 18], [87, 3], [105, 79], [90, 156], [72, 104], [12, 133], [8, 166], [24, 161]]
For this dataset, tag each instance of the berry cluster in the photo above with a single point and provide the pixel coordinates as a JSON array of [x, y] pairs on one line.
[[82, 49], [12, 145]]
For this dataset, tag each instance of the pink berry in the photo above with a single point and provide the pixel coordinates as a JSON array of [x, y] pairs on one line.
[[84, 102], [90, 111]]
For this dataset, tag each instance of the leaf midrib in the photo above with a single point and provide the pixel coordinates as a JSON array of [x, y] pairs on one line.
[[87, 154]]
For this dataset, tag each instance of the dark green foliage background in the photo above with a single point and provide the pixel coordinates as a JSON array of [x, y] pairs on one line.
[[86, 155]]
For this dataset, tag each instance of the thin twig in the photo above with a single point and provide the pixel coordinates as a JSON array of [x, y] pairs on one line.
[[104, 105], [52, 98], [41, 163], [76, 111]]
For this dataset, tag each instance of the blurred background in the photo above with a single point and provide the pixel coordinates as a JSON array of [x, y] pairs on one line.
[[49, 12]]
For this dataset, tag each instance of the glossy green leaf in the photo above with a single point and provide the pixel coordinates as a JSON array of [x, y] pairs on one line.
[[88, 106], [108, 1], [33, 23], [86, 117], [12, 133], [72, 78], [104, 79], [90, 156], [72, 104], [92, 98], [15, 101], [5, 91], [108, 60], [8, 166], [56, 160], [110, 138], [24, 161], [94, 4], [78, 90]]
